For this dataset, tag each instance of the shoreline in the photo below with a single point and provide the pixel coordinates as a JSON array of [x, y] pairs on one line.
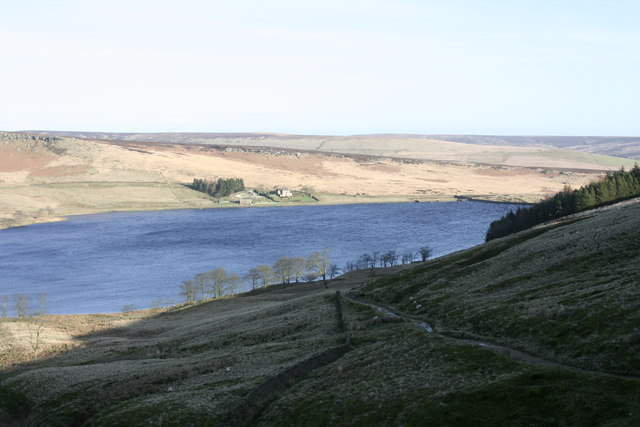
[[323, 200]]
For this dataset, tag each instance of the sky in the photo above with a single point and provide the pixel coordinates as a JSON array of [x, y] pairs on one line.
[[512, 67]]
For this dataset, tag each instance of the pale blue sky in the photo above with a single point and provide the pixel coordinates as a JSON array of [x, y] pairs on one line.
[[537, 67]]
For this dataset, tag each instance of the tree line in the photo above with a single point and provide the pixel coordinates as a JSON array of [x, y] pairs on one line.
[[22, 305], [387, 259], [612, 188], [217, 283], [221, 187]]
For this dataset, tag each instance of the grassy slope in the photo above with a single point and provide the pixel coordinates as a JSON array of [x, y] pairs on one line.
[[567, 293], [211, 355]]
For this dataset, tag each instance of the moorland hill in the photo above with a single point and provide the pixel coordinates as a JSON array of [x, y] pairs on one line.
[[584, 152], [45, 178], [536, 328]]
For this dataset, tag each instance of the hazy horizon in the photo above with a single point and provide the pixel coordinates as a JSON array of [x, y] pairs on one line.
[[269, 132]]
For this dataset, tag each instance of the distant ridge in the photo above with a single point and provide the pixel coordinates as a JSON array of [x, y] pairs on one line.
[[619, 146], [48, 177]]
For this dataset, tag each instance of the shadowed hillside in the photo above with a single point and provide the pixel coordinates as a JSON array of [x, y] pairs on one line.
[[537, 328], [567, 291]]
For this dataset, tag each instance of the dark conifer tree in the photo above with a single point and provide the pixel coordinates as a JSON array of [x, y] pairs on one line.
[[615, 186]]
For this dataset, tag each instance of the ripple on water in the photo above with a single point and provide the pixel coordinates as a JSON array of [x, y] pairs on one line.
[[99, 263]]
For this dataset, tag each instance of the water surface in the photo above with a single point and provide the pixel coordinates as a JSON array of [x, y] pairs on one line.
[[99, 263]]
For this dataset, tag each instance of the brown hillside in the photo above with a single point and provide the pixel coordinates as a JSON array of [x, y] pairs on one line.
[[46, 178]]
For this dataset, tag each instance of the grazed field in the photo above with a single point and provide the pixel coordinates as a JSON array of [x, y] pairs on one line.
[[46, 178], [532, 291]]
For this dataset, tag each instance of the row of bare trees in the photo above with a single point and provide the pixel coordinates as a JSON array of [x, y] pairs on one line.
[[22, 305], [287, 269], [217, 283], [210, 284], [387, 259]]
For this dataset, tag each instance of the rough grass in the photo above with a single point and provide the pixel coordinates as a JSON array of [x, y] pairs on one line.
[[567, 293], [202, 360], [399, 375]]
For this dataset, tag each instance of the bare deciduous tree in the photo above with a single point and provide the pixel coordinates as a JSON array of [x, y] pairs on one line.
[[266, 273], [407, 258], [390, 258], [218, 278], [21, 303], [375, 258], [283, 269], [366, 261], [35, 326], [202, 281], [425, 252], [234, 280], [298, 268], [319, 263], [334, 270], [189, 291], [42, 304], [254, 277], [4, 305]]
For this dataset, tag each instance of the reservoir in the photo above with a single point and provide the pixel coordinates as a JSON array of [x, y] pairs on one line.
[[102, 262]]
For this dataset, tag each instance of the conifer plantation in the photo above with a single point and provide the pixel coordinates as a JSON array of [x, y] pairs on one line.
[[612, 188], [221, 187]]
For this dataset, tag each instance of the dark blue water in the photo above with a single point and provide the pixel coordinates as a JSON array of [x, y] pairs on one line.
[[99, 263]]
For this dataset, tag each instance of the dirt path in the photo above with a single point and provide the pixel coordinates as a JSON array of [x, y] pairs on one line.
[[507, 351]]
